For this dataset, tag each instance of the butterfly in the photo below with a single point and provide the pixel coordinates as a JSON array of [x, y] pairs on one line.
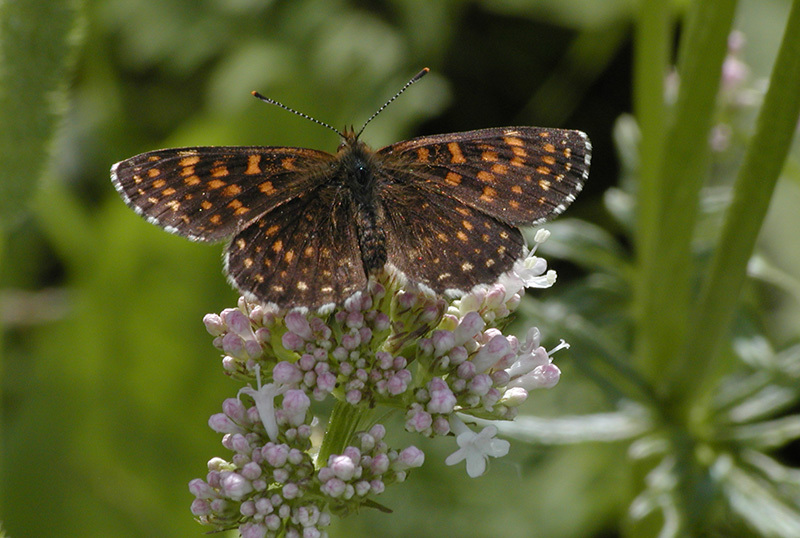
[[308, 228]]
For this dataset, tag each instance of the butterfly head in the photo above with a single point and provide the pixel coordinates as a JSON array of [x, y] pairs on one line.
[[349, 140]]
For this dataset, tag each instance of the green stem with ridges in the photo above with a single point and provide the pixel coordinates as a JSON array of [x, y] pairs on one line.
[[667, 269], [653, 37], [752, 191]]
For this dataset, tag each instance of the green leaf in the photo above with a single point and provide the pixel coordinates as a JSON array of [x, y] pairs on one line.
[[35, 60], [755, 183], [669, 206], [628, 423], [767, 508]]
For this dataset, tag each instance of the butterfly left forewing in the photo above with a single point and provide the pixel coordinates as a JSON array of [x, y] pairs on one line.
[[210, 193], [520, 175]]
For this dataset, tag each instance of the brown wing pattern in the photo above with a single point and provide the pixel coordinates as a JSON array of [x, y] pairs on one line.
[[442, 242], [519, 175], [210, 193], [304, 252]]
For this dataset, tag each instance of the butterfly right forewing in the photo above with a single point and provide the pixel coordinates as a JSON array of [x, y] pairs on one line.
[[520, 175]]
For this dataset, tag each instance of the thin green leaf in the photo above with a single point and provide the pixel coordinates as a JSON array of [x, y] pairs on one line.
[[757, 501], [628, 423], [664, 296], [772, 434], [763, 161]]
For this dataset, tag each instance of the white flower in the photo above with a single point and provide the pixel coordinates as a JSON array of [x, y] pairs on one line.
[[533, 368], [530, 271], [264, 397], [476, 447]]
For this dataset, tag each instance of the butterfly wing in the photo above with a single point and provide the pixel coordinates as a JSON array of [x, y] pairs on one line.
[[453, 202], [210, 193], [441, 242], [304, 252], [518, 175]]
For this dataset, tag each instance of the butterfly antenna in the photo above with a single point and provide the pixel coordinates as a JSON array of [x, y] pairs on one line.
[[293, 111], [404, 88]]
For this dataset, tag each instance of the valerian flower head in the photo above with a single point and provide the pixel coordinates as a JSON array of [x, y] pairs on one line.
[[393, 346]]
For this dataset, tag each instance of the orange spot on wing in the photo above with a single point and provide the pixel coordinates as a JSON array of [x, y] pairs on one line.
[[452, 179], [485, 176], [189, 161], [455, 151], [488, 194], [232, 190], [252, 165]]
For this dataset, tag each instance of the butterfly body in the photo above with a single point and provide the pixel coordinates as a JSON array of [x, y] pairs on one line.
[[359, 172], [307, 227]]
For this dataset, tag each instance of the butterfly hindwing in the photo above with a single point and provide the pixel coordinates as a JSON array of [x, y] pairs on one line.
[[443, 243], [304, 252], [519, 175], [210, 193]]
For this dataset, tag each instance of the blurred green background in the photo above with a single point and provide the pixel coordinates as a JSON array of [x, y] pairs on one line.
[[108, 375]]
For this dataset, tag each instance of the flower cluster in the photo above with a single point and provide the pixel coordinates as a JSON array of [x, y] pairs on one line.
[[391, 347]]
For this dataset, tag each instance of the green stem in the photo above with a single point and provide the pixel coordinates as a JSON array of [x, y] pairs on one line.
[[755, 183], [3, 428], [344, 422], [667, 266], [652, 40], [651, 56]]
